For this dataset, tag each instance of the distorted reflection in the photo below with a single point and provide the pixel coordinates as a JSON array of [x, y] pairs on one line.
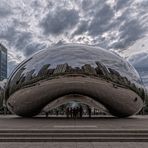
[[74, 60]]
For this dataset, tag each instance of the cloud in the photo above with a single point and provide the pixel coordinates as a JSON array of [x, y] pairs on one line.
[[27, 26], [120, 4], [5, 10], [58, 21], [82, 28], [101, 21], [9, 35], [32, 48], [23, 39], [130, 31]]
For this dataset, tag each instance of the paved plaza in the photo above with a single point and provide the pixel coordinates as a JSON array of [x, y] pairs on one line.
[[41, 124], [76, 145], [100, 122]]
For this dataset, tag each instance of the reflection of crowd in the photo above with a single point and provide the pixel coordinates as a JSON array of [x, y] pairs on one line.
[[76, 112]]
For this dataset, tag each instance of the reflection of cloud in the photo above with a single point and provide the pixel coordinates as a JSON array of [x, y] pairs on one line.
[[28, 26], [139, 57]]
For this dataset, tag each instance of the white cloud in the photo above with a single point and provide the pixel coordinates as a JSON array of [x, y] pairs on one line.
[[27, 26], [140, 46]]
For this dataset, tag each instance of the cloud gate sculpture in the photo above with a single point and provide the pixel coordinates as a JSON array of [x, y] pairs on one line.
[[89, 74]]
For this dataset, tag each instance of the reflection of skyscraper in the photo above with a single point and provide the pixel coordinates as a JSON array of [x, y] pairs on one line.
[[88, 69], [43, 70], [101, 68], [3, 62], [61, 68]]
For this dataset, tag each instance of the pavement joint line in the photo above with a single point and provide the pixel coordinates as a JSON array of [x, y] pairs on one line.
[[69, 126], [51, 129]]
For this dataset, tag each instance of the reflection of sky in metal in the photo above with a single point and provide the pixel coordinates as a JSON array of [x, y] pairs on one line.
[[47, 72], [73, 104], [78, 55]]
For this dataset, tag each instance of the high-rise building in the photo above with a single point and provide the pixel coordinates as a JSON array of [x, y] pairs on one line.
[[3, 62]]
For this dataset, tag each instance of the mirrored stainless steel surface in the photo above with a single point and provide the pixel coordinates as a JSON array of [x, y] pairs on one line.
[[75, 69]]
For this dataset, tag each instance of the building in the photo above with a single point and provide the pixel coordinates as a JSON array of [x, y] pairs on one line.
[[3, 62]]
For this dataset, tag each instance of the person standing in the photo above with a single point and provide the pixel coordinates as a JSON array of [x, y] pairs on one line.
[[71, 112], [89, 112], [81, 111], [67, 112], [46, 113]]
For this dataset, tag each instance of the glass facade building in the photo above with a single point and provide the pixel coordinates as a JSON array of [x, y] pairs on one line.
[[3, 62]]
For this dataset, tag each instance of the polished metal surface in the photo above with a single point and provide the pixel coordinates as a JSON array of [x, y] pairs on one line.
[[74, 101], [73, 69]]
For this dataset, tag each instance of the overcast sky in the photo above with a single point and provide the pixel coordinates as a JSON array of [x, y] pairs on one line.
[[27, 26]]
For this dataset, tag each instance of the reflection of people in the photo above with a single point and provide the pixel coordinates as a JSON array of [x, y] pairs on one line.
[[46, 113], [81, 111], [57, 112], [74, 113], [89, 112], [71, 112], [67, 112], [77, 112]]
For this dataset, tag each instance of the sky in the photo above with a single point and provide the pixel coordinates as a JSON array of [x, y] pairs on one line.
[[27, 26]]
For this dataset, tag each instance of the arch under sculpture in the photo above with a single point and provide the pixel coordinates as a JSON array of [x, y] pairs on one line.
[[75, 69]]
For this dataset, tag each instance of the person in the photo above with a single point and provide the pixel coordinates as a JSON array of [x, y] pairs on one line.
[[77, 112], [57, 112], [46, 113], [74, 113], [81, 111], [71, 112], [67, 112], [89, 112]]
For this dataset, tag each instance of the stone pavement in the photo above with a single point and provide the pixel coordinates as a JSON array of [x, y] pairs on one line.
[[11, 122], [75, 145], [101, 122]]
